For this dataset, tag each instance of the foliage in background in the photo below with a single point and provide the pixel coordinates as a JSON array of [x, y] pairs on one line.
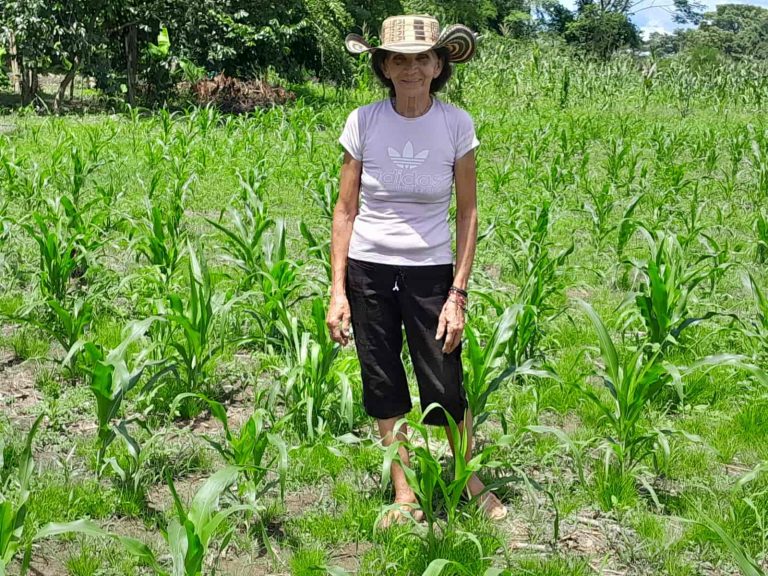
[[601, 32]]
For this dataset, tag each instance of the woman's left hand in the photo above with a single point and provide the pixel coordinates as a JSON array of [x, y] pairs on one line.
[[450, 325]]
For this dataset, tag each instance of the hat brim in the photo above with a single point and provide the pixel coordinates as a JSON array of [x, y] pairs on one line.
[[459, 40]]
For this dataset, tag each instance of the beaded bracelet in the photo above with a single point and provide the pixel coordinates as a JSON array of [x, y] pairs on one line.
[[458, 290]]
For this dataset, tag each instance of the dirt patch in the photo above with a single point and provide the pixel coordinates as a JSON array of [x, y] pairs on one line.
[[297, 503], [588, 534], [578, 292], [570, 423], [159, 496], [736, 469], [516, 533], [591, 533], [348, 556], [245, 565], [48, 557], [232, 95], [17, 387], [237, 397]]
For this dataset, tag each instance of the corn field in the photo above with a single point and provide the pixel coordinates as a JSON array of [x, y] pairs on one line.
[[172, 403]]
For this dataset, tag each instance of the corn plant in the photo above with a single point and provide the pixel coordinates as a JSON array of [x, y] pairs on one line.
[[757, 331], [437, 566], [247, 448], [318, 394], [63, 254], [487, 365], [69, 325], [669, 280], [324, 189], [636, 382], [110, 377], [749, 503], [243, 238], [319, 251], [194, 318], [60, 255], [758, 160], [13, 509], [188, 534], [539, 271], [760, 228], [277, 291], [5, 233], [747, 565], [600, 206], [82, 167], [426, 477], [160, 239], [14, 497]]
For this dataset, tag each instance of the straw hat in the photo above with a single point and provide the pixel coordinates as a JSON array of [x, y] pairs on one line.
[[412, 34]]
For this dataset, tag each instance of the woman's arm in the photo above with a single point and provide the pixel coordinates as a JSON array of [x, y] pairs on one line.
[[451, 323], [344, 214], [466, 218]]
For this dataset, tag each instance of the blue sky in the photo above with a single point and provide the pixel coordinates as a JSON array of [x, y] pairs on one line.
[[650, 17]]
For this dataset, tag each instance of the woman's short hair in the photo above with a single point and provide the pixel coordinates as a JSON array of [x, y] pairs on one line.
[[378, 57]]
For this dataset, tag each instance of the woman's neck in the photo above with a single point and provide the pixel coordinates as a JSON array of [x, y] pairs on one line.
[[412, 106]]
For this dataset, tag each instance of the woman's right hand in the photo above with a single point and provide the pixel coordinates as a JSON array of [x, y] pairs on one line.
[[338, 319]]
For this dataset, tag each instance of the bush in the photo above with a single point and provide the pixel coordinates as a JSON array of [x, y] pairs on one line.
[[601, 33]]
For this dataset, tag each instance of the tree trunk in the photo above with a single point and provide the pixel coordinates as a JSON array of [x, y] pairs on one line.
[[28, 83], [15, 69], [132, 56], [68, 78], [35, 82]]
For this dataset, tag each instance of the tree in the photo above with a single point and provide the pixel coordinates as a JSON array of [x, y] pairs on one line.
[[76, 28], [660, 44], [554, 17], [736, 30], [601, 33], [26, 27], [368, 16], [477, 14], [513, 18]]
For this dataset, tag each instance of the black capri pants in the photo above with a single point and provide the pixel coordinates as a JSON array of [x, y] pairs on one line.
[[383, 298]]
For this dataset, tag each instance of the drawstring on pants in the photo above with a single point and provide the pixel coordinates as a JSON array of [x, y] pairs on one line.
[[399, 276]]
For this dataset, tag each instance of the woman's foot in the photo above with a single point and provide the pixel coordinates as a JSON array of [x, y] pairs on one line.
[[488, 502], [400, 515]]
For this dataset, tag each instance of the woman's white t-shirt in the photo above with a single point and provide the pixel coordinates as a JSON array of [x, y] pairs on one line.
[[407, 180]]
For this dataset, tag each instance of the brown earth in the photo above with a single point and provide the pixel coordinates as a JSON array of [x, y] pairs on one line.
[[235, 96]]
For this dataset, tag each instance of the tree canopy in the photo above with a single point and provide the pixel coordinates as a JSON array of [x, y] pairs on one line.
[[737, 30]]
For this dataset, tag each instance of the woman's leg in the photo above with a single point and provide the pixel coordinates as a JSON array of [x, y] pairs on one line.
[[489, 502], [378, 336], [403, 492]]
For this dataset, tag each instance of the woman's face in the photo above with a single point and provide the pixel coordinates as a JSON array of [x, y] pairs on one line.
[[412, 74]]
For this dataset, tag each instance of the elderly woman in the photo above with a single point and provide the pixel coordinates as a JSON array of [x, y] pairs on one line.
[[391, 252]]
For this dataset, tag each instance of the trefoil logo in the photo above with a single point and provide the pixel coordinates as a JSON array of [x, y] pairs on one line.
[[407, 159]]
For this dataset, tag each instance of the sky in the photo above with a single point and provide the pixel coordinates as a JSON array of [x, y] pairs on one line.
[[650, 17]]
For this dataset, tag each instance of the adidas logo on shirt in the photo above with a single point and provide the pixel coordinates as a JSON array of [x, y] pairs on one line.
[[407, 159]]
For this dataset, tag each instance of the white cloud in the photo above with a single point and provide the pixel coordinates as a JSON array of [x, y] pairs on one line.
[[653, 26]]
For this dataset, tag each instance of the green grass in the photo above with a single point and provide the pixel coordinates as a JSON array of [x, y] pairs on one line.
[[55, 501]]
